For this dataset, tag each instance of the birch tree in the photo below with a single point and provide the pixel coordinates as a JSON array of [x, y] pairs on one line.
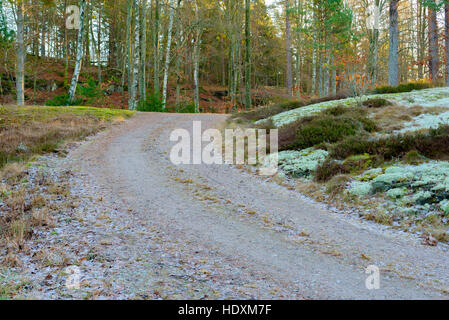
[[156, 49], [134, 66], [79, 52], [196, 58], [167, 55]]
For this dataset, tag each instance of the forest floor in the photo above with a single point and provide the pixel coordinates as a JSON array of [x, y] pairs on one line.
[[138, 227]]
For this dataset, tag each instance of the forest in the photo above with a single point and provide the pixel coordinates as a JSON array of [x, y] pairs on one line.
[[215, 55]]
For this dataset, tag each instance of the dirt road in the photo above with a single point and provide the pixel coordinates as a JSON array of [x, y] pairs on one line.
[[220, 232]]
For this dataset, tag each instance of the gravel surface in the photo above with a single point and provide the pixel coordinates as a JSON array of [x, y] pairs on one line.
[[153, 230]]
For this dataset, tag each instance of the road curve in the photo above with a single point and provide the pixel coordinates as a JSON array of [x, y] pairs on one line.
[[270, 234]]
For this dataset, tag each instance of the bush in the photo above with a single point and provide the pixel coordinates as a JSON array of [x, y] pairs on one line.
[[186, 108], [329, 169], [376, 103], [153, 103], [404, 87], [89, 89], [329, 126], [325, 129], [433, 144], [337, 185], [266, 112], [63, 100]]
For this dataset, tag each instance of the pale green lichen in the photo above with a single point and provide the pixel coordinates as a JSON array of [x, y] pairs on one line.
[[397, 193], [358, 188], [426, 121], [444, 206], [435, 97], [421, 185], [299, 163]]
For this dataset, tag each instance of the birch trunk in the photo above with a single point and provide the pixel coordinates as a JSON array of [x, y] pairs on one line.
[[196, 57], [132, 102], [79, 52], [156, 49], [167, 54]]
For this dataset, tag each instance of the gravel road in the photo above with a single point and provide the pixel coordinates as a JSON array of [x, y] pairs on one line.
[[221, 232]]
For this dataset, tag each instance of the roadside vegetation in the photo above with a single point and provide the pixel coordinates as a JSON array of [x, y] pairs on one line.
[[384, 156], [30, 194], [29, 131]]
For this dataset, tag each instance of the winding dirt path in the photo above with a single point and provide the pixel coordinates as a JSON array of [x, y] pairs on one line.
[[261, 240]]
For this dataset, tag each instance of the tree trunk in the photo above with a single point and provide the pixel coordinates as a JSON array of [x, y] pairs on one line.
[[433, 45], [156, 49], [248, 54], [79, 52], [446, 9], [298, 49], [393, 59], [127, 54], [288, 48], [167, 55], [196, 58], [20, 72], [143, 52], [132, 101]]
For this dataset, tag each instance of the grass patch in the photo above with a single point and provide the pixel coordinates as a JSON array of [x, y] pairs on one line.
[[269, 111], [433, 144], [405, 87], [27, 131]]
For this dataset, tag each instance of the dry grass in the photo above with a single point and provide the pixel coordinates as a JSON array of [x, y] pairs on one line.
[[26, 131], [392, 117]]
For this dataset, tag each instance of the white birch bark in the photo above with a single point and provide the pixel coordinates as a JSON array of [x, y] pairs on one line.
[[79, 52], [167, 55]]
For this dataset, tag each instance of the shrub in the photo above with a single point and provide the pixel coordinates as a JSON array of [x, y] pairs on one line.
[[153, 103], [337, 185], [329, 169], [63, 100], [358, 162], [89, 89], [404, 87], [325, 129], [376, 103], [186, 108], [433, 144], [266, 112]]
